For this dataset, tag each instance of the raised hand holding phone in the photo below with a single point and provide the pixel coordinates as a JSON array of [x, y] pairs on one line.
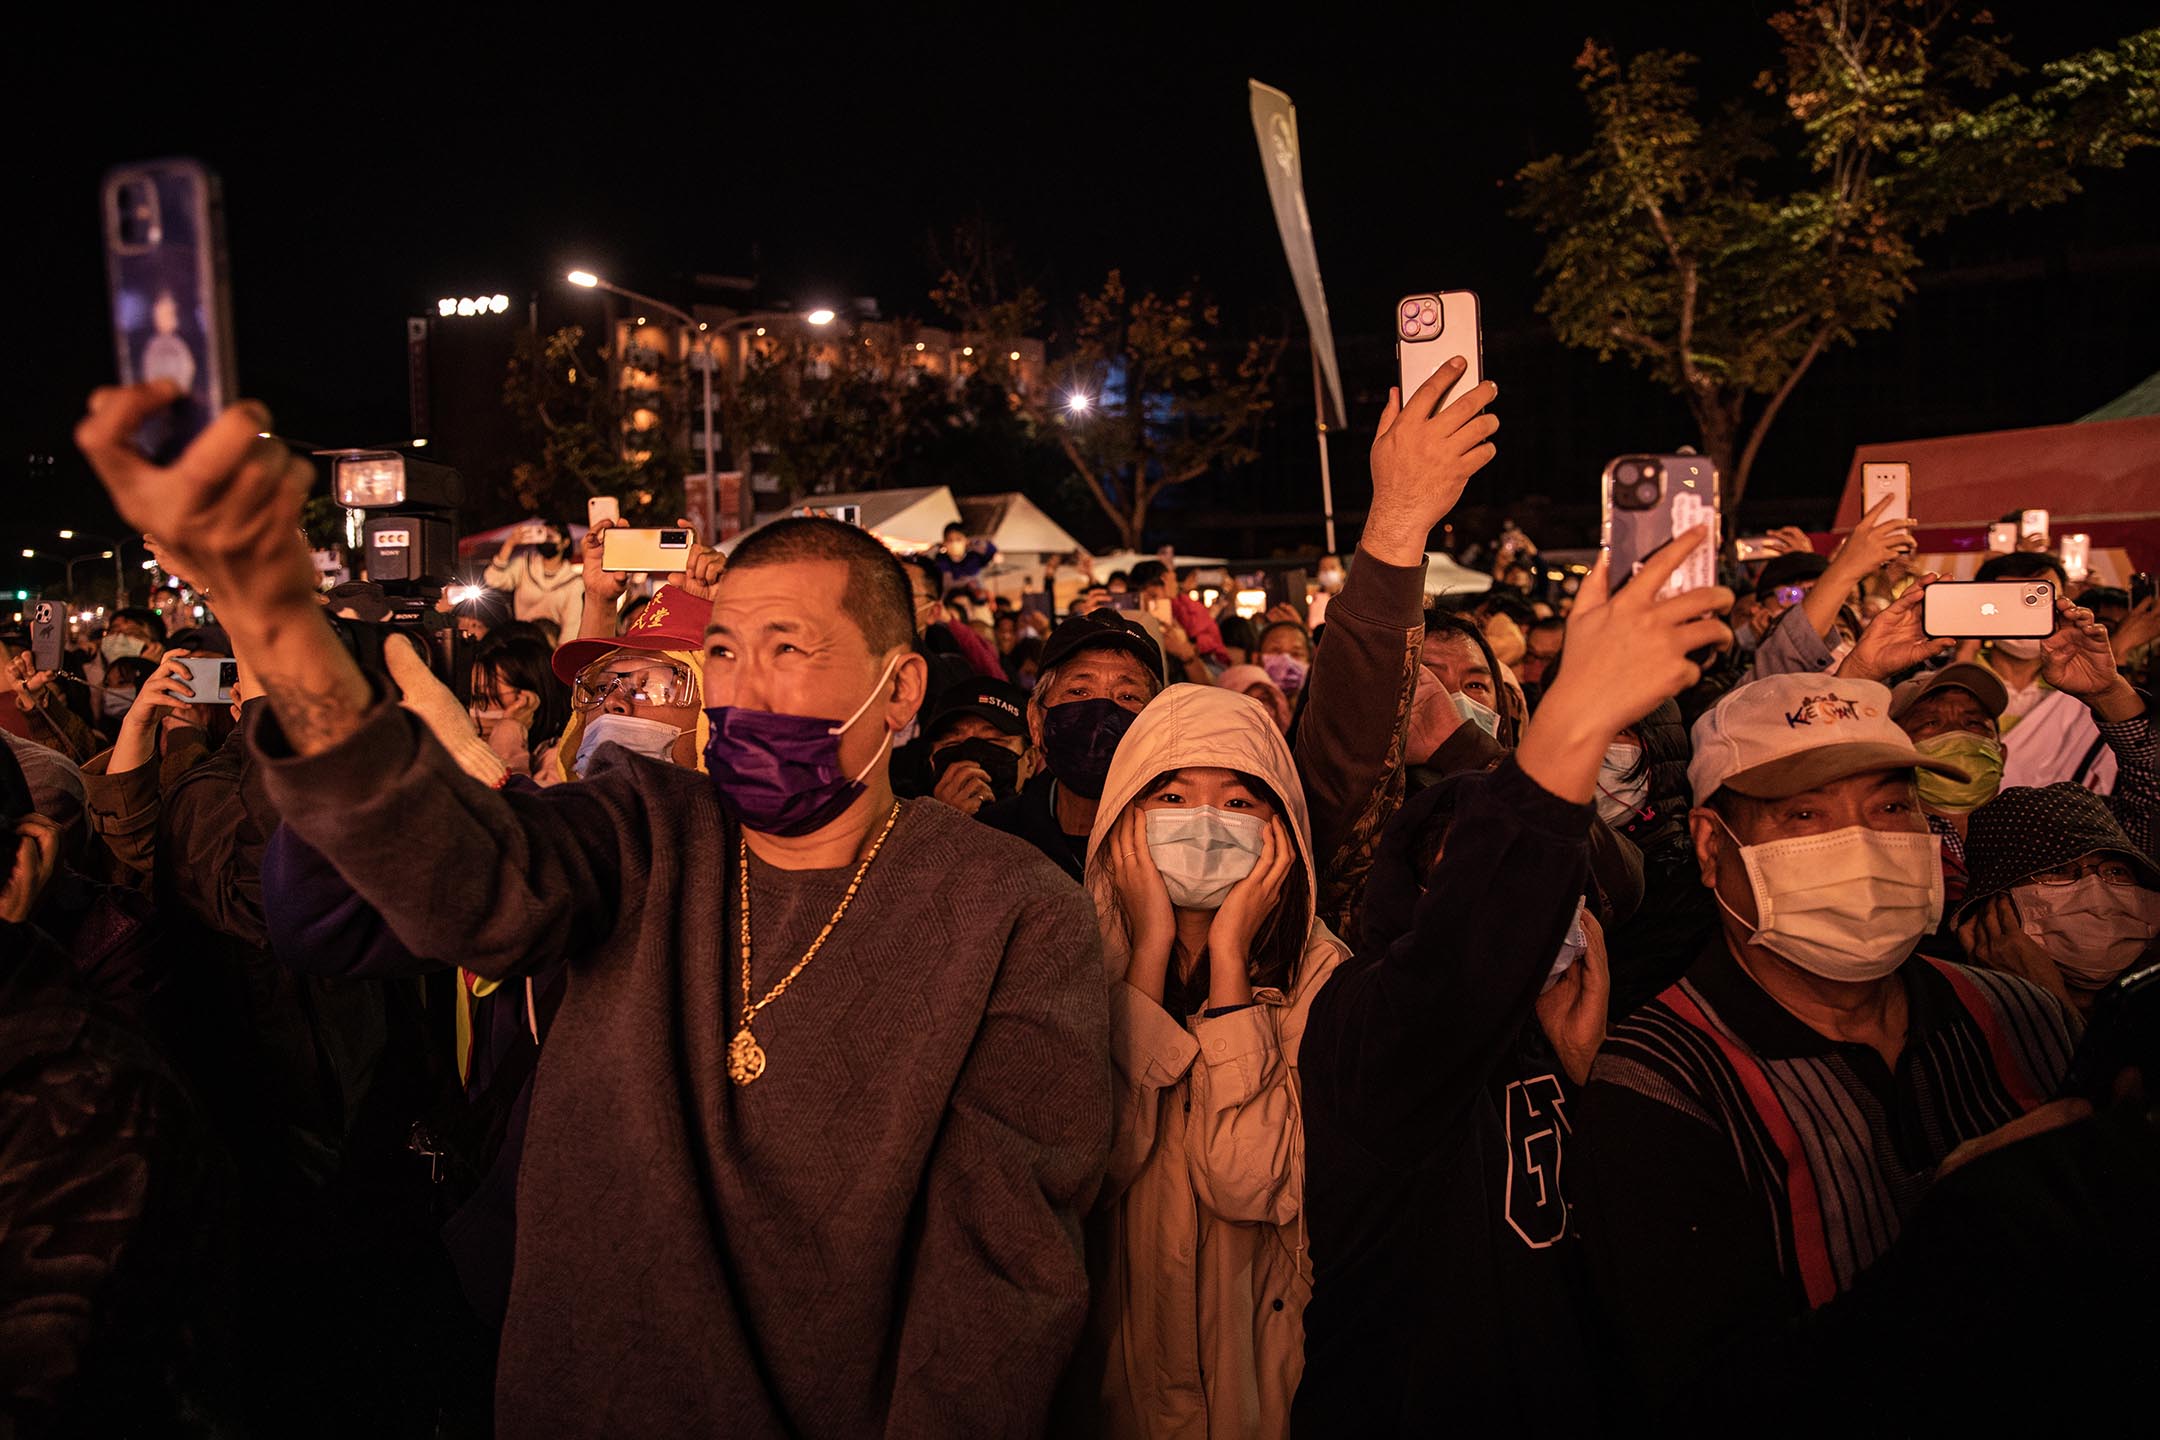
[[1422, 459], [1627, 653], [166, 692]]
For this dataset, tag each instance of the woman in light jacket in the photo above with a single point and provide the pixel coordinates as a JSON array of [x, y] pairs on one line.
[[1201, 868]]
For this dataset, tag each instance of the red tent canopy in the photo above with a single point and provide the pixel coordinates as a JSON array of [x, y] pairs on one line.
[[2101, 477]]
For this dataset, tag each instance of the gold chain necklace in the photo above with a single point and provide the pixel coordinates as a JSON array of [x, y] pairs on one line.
[[745, 1057]]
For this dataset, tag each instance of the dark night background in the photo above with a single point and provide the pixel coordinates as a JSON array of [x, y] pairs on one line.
[[376, 165]]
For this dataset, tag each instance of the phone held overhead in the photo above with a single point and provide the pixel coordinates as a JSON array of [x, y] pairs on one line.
[[164, 232], [1988, 610], [657, 551], [1651, 499], [1432, 329]]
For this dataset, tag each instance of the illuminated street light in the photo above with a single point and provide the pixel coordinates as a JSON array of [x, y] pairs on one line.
[[820, 317], [1014, 356], [419, 442], [67, 534], [583, 277], [1078, 402]]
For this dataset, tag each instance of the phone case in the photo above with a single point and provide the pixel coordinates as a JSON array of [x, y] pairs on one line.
[[1651, 498], [1888, 477], [48, 622], [658, 551], [1432, 329], [1988, 610], [2033, 522], [2002, 538], [172, 315], [602, 507], [211, 678]]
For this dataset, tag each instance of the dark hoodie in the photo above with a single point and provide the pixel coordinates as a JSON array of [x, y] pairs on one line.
[[1447, 1283]]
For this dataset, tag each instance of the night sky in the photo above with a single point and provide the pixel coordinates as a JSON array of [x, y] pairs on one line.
[[367, 173]]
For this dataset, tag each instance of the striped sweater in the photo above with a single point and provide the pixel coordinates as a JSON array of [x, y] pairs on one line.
[[1745, 1169]]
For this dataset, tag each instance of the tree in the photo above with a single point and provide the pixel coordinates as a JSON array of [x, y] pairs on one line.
[[1148, 402], [594, 434], [1669, 243], [841, 414]]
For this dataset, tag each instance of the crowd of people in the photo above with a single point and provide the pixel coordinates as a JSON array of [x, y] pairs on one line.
[[816, 999]]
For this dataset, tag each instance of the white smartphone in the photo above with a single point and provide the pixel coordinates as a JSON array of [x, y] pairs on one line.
[[658, 551], [211, 679], [2077, 557], [2032, 523], [1433, 328], [1988, 609], [2002, 538], [602, 507], [1755, 547], [1891, 478]]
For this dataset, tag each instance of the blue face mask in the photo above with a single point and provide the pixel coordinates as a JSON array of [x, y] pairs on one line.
[[1483, 716], [780, 774], [1201, 852]]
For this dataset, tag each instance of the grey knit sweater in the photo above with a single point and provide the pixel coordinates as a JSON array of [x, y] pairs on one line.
[[881, 1234]]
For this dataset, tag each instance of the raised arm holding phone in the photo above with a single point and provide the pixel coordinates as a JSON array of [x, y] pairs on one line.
[[843, 1124]]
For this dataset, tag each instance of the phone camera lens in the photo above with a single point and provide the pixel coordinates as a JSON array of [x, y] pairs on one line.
[[1628, 470], [2032, 598], [1646, 494]]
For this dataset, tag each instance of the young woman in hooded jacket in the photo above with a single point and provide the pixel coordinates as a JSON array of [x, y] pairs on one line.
[[1201, 868]]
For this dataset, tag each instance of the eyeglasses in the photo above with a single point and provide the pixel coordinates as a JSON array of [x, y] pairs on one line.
[[653, 682], [2113, 872]]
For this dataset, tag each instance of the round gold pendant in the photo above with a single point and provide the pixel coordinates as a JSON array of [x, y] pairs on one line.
[[745, 1058]]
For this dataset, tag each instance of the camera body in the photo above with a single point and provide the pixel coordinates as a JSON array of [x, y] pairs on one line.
[[410, 535]]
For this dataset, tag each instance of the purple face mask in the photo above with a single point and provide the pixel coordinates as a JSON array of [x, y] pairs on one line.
[[1287, 671], [780, 774]]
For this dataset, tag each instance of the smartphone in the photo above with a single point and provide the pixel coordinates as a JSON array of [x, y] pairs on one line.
[[1160, 609], [1892, 478], [2123, 1031], [1755, 547], [654, 551], [1127, 601], [602, 507], [2002, 538], [211, 679], [1648, 500], [1432, 329], [2034, 524], [48, 634], [164, 233], [2076, 557], [1988, 610], [845, 514], [2142, 587]]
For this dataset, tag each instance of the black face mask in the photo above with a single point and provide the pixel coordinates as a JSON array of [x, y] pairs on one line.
[[999, 763], [1079, 737], [551, 550]]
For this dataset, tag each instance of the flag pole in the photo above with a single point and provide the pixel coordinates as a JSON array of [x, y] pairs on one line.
[[1327, 484]]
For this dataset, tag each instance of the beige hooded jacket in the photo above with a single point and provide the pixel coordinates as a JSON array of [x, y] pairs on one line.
[[1197, 1323]]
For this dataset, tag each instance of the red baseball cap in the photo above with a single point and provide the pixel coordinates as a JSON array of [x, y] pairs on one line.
[[674, 619]]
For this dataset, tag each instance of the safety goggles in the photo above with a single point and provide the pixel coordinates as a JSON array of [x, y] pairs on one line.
[[658, 681]]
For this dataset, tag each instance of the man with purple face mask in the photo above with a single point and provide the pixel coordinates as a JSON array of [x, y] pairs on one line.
[[810, 1141]]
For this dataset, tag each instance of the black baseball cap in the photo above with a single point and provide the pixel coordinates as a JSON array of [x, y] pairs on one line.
[[1104, 629], [1789, 569], [1003, 705]]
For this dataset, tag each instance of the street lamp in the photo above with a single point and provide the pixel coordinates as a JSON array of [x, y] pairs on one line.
[[119, 577], [823, 315], [1078, 402]]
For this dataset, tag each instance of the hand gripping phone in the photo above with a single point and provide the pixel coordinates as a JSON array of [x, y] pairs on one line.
[[650, 551], [1988, 610], [1648, 500], [1433, 328], [602, 507], [171, 311]]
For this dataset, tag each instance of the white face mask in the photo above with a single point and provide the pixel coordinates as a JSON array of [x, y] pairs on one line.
[[1483, 716], [2019, 649], [2092, 930], [119, 647], [654, 739], [1620, 800], [1202, 852], [1571, 949], [1849, 905]]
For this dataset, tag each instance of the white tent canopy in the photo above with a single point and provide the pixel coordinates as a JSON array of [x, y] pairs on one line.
[[1444, 577], [906, 520], [1016, 525]]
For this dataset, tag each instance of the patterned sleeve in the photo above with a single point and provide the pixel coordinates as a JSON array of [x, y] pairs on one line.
[[2135, 800]]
